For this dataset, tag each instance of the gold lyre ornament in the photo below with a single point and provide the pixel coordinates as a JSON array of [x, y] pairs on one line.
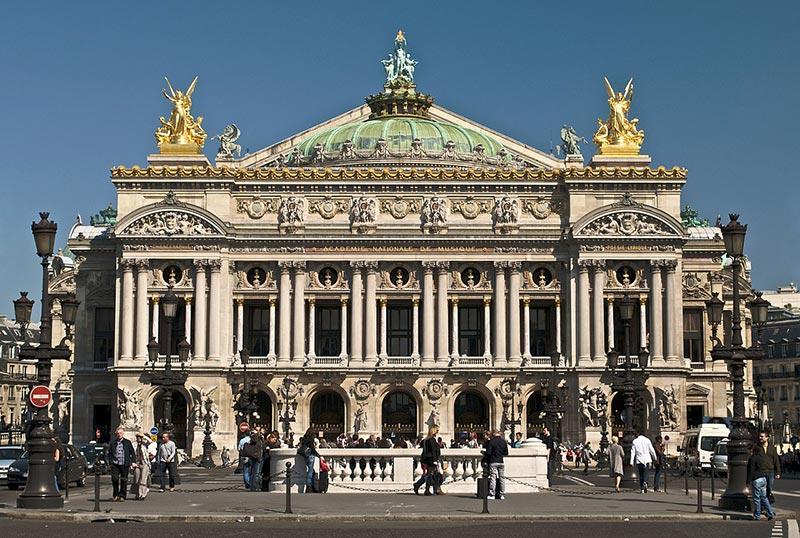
[[618, 135], [181, 133]]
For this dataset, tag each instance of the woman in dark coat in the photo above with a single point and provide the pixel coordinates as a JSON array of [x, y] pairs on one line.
[[615, 454], [429, 459]]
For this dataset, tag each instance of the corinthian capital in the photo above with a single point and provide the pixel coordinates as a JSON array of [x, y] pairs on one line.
[[215, 264], [200, 264], [671, 265], [357, 264], [428, 266], [127, 264], [515, 266], [371, 266], [443, 266], [142, 264]]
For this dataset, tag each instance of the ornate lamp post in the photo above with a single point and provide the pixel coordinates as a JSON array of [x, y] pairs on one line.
[[168, 379], [630, 383], [736, 495], [552, 402], [760, 401], [207, 461], [509, 418], [40, 490], [287, 408]]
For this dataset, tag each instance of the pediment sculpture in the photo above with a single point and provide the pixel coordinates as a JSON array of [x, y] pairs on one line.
[[626, 224], [170, 223]]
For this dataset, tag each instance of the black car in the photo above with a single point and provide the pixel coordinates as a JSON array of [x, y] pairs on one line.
[[76, 470], [96, 454]]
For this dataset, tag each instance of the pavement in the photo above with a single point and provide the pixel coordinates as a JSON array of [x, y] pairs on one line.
[[217, 496]]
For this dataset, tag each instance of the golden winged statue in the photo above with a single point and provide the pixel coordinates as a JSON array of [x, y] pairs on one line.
[[181, 133], [618, 135]]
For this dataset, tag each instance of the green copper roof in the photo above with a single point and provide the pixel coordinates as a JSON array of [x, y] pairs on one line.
[[399, 132]]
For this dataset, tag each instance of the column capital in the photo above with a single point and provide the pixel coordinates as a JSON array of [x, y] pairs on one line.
[[311, 299], [371, 266], [501, 264], [357, 264], [557, 300], [657, 264], [200, 264], [415, 301], [142, 264], [487, 300], [239, 301], [215, 264], [187, 299], [643, 300], [299, 266], [598, 265], [285, 266], [610, 299], [454, 299], [273, 300], [383, 300], [344, 299], [515, 266], [127, 264], [428, 266], [670, 265], [526, 300], [442, 267], [584, 265], [155, 299]]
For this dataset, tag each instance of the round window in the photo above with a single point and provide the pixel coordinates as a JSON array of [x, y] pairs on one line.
[[626, 275], [255, 277], [470, 277], [328, 277], [399, 277], [542, 277], [172, 275]]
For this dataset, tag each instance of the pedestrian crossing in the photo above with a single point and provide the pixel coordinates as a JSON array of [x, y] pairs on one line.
[[785, 529]]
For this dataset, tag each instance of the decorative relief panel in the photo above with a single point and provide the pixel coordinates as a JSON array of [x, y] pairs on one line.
[[400, 207], [626, 224], [696, 285], [540, 207], [399, 278], [363, 213], [434, 214], [256, 207], [625, 276], [254, 277], [328, 207], [540, 278], [327, 278], [470, 207], [470, 278], [170, 223], [506, 214], [291, 214]]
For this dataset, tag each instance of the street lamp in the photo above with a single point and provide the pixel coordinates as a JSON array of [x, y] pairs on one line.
[[631, 383], [287, 408], [40, 490], [736, 495]]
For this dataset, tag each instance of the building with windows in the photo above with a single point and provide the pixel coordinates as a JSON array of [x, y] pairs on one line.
[[16, 375], [394, 267]]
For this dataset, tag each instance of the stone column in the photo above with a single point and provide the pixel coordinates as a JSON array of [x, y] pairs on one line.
[[598, 312], [384, 326], [442, 322], [271, 354], [214, 309], [357, 309], [142, 311], [343, 324], [201, 312], [656, 312], [487, 327], [299, 314], [312, 329], [240, 325], [526, 330], [584, 329], [558, 324], [187, 327], [671, 294], [154, 317], [499, 331], [454, 354], [428, 319], [126, 342], [643, 322], [514, 284], [610, 318], [285, 313], [370, 313], [415, 329]]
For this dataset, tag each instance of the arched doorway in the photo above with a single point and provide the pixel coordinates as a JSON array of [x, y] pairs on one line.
[[535, 414], [327, 414], [471, 414], [399, 415], [262, 416], [178, 418], [618, 413]]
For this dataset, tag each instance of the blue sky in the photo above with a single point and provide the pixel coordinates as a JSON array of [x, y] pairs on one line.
[[716, 90]]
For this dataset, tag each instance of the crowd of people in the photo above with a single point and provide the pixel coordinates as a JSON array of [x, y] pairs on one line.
[[143, 457]]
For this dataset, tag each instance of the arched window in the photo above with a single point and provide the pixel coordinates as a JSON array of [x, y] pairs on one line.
[[399, 415], [327, 414], [471, 413], [263, 413]]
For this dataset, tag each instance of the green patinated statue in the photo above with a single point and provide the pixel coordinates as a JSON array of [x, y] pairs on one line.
[[690, 217], [399, 65]]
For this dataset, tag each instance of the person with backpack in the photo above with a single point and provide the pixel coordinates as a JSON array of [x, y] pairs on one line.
[[254, 451], [246, 466], [431, 453], [309, 444]]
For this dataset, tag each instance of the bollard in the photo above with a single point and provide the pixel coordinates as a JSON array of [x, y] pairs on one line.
[[288, 488], [700, 493], [686, 473], [666, 472], [485, 492], [66, 483], [713, 484], [96, 486]]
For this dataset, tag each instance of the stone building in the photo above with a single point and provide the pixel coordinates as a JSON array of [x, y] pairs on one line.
[[16, 375], [394, 267]]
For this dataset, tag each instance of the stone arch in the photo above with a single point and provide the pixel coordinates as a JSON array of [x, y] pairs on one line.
[[663, 224], [148, 221], [327, 416], [465, 413], [154, 410], [644, 417], [385, 390], [400, 414], [268, 404]]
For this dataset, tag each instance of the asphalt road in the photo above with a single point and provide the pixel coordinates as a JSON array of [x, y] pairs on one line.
[[387, 529]]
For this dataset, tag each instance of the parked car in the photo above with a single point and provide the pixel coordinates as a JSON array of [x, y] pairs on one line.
[[699, 443], [7, 456], [75, 471], [94, 452], [719, 460]]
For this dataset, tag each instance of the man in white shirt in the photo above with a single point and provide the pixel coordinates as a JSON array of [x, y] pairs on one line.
[[642, 455]]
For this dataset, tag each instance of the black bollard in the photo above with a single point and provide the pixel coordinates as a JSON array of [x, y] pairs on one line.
[[66, 482], [485, 493], [700, 492], [288, 488], [713, 484], [97, 486], [686, 473], [666, 472]]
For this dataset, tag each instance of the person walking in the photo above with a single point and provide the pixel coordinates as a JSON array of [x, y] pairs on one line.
[[254, 451], [758, 468], [774, 470], [496, 450], [225, 455], [141, 467], [431, 453], [615, 456], [167, 458], [658, 464], [642, 455], [246, 465], [308, 446], [121, 456]]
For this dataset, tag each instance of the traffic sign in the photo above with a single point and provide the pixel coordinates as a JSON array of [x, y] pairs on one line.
[[40, 396], [153, 431], [244, 426]]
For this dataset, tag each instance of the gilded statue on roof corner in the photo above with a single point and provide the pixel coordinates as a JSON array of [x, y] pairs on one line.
[[619, 135], [181, 133], [399, 66]]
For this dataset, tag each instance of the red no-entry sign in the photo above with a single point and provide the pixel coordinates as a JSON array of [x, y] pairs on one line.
[[243, 427], [40, 396]]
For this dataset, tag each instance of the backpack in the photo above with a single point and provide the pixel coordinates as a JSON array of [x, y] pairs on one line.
[[252, 450]]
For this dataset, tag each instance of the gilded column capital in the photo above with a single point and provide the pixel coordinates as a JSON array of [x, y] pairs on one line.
[[239, 301], [344, 300], [454, 299], [487, 300], [643, 300], [383, 300], [525, 300], [273, 300], [312, 300], [187, 300], [557, 300], [415, 301], [155, 299], [611, 300]]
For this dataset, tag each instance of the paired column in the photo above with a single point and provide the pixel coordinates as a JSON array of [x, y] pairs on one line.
[[285, 312], [442, 322], [487, 327], [271, 354], [656, 312], [610, 318], [642, 322], [500, 312], [371, 311], [558, 325], [343, 324], [671, 293], [515, 283], [526, 330], [384, 309], [214, 309], [428, 323], [454, 330], [357, 305], [187, 327], [312, 329], [583, 330], [240, 343], [154, 317], [415, 329], [200, 335], [598, 313], [126, 317], [142, 311], [298, 314]]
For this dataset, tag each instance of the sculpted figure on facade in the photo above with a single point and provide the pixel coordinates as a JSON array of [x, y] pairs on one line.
[[360, 419], [169, 223], [619, 135], [668, 408], [434, 213], [570, 141], [506, 210], [588, 404], [130, 408], [181, 129], [292, 211], [202, 405], [625, 223], [399, 65], [363, 213], [227, 142]]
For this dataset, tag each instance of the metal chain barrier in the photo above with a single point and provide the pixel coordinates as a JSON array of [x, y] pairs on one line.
[[568, 491]]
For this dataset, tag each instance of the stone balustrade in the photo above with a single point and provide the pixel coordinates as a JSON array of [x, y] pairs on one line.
[[359, 470]]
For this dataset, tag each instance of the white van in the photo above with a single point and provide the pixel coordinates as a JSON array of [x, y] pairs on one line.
[[699, 443]]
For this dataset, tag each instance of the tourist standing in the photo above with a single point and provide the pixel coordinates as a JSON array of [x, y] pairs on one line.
[[658, 464], [120, 455], [774, 469], [246, 465], [225, 455], [309, 444], [615, 455], [642, 455], [496, 450], [254, 450], [167, 458], [431, 453], [758, 468], [141, 467]]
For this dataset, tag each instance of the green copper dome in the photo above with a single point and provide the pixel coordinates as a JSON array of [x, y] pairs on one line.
[[399, 133]]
